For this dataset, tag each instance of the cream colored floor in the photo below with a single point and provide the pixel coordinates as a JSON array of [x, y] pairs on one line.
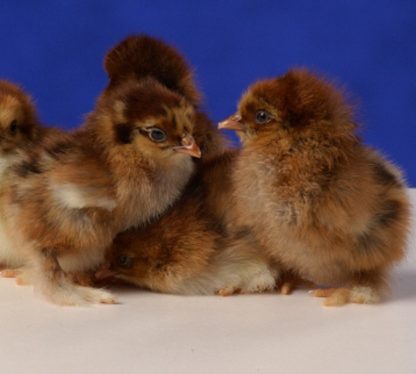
[[151, 333]]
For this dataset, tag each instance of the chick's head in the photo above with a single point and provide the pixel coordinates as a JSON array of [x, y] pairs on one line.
[[291, 106], [141, 57], [148, 118], [129, 266], [17, 118], [128, 261]]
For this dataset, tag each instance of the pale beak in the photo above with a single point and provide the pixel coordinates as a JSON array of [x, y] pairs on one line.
[[188, 147], [104, 273], [232, 123]]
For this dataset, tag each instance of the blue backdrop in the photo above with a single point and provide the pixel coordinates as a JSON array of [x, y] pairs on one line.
[[55, 50]]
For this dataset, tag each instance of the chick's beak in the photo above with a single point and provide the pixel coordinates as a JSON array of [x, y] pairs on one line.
[[188, 147], [232, 123], [104, 273]]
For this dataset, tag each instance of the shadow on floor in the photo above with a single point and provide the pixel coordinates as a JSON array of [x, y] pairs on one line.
[[404, 285]]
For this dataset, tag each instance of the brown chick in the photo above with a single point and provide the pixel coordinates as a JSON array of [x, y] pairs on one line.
[[130, 161], [19, 129], [325, 206], [188, 250]]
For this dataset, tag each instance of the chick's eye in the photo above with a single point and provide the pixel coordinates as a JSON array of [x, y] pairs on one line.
[[124, 261], [13, 127], [263, 117], [157, 135]]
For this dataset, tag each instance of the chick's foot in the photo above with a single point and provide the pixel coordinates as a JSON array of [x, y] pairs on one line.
[[22, 275], [342, 296], [72, 295]]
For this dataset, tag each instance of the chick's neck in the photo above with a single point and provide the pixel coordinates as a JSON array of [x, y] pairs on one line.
[[146, 186]]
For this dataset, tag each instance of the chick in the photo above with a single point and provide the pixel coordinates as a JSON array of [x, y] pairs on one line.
[[188, 250], [329, 209], [19, 129], [130, 161]]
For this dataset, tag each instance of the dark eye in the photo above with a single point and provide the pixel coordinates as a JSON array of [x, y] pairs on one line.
[[157, 135], [13, 127], [263, 117], [124, 261]]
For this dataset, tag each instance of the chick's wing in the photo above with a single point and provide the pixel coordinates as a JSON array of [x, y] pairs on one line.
[[89, 186]]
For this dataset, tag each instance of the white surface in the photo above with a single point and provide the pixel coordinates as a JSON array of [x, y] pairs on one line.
[[152, 333]]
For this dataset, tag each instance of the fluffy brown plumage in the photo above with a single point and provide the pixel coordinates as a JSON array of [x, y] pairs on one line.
[[141, 57], [19, 124], [131, 160], [328, 208], [19, 129], [188, 250]]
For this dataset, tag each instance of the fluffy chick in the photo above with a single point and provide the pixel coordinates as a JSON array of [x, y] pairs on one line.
[[188, 250], [328, 208], [19, 129], [69, 197]]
